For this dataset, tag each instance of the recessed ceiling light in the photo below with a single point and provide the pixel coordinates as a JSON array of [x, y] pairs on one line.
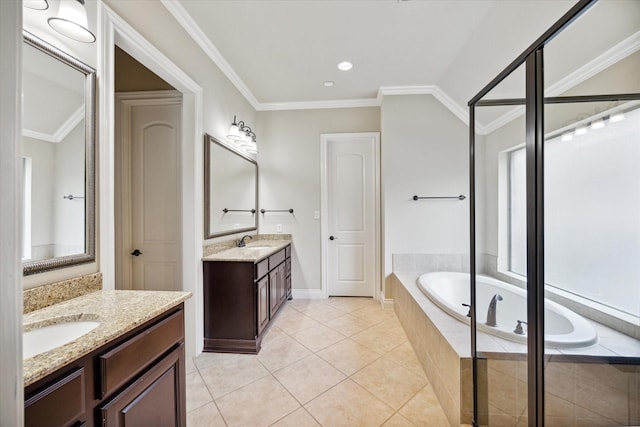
[[345, 66], [328, 83]]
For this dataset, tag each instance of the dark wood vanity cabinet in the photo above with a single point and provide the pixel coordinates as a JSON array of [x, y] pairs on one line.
[[241, 298], [137, 379]]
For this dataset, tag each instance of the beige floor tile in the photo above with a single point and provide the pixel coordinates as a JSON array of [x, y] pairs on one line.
[[348, 404], [291, 323], [303, 304], [197, 392], [348, 305], [424, 409], [298, 418], [380, 339], [273, 334], [309, 377], [374, 314], [322, 313], [259, 404], [389, 382], [348, 356], [282, 352], [398, 421], [405, 355], [318, 337], [207, 359], [348, 325], [205, 416], [230, 372]]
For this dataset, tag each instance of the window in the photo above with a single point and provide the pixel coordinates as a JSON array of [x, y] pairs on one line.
[[592, 213]]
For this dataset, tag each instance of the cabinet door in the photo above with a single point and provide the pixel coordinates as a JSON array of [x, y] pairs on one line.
[[282, 283], [263, 303], [156, 399], [274, 301], [60, 404]]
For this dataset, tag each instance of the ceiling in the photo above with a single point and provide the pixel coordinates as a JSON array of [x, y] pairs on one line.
[[282, 51]]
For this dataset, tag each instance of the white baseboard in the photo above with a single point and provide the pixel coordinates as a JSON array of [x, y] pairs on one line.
[[386, 302], [307, 293]]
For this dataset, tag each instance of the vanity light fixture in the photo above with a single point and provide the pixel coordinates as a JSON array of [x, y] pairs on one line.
[[581, 130], [597, 124], [567, 136], [36, 4], [242, 134], [345, 66], [617, 117], [72, 21]]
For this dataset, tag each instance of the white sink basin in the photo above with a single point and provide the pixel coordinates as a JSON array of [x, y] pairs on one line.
[[48, 337]]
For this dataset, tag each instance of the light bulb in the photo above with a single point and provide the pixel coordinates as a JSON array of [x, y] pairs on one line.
[[618, 117]]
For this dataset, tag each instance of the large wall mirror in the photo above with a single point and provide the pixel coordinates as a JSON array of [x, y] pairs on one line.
[[58, 158], [230, 190]]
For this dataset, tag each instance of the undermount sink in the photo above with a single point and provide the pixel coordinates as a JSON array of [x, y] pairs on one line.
[[45, 338], [256, 247]]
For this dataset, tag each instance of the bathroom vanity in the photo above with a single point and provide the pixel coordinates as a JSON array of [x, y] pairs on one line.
[[243, 290], [130, 370]]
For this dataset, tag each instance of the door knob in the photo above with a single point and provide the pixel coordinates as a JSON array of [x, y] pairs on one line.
[[136, 252], [332, 238]]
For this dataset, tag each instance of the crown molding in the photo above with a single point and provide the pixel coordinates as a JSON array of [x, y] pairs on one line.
[[316, 105], [625, 48], [196, 33], [61, 133], [434, 90]]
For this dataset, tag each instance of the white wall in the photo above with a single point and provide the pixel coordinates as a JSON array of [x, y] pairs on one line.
[[289, 159], [424, 153]]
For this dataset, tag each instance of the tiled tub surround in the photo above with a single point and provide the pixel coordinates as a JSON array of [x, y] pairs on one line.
[[442, 344], [117, 311], [54, 293], [256, 239]]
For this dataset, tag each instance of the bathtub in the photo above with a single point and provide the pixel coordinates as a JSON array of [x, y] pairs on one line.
[[563, 327]]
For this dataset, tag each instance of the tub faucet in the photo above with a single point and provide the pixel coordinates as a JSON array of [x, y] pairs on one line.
[[491, 312], [241, 243]]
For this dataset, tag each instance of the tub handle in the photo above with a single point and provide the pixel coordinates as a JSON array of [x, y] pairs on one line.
[[518, 330], [469, 312]]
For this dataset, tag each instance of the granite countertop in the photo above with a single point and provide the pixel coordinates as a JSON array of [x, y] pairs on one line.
[[117, 311], [254, 251]]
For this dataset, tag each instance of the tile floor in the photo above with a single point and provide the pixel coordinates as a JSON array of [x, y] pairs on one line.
[[335, 362]]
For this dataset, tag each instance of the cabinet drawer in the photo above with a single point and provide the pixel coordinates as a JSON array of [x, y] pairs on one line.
[[276, 259], [60, 404], [126, 360], [262, 268]]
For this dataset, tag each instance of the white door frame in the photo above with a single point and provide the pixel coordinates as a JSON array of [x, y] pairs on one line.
[[324, 201], [114, 30]]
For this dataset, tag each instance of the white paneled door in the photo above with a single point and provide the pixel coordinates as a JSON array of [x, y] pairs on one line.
[[351, 213], [151, 249]]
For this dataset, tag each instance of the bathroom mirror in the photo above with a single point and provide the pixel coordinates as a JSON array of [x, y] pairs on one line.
[[58, 142], [230, 190]]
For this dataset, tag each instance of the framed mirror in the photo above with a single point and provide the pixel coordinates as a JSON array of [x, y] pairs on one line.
[[58, 141], [230, 190]]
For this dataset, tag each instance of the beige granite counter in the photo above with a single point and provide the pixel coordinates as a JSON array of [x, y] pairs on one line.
[[117, 311], [254, 251]]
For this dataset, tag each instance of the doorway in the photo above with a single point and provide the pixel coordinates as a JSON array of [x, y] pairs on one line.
[[351, 214], [147, 179]]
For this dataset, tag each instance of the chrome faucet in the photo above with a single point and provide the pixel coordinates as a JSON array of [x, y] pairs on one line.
[[491, 312], [241, 243]]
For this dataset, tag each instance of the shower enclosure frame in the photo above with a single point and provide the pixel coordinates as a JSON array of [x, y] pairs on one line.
[[534, 102]]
